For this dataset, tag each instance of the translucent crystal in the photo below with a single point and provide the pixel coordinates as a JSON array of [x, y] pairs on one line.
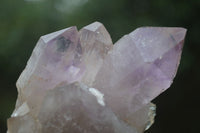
[[140, 67], [56, 58], [79, 82], [96, 43]]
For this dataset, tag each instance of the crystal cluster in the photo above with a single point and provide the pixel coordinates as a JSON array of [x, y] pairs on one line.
[[79, 82]]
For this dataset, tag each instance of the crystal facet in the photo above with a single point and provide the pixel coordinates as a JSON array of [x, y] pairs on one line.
[[79, 82]]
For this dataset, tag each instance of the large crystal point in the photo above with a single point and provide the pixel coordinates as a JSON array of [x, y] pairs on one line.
[[55, 59], [79, 82], [140, 67]]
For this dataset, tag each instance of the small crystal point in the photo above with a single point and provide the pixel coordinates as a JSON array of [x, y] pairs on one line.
[[146, 117], [96, 43], [79, 82], [23, 124]]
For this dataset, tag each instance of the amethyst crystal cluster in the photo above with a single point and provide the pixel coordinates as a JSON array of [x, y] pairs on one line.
[[79, 82]]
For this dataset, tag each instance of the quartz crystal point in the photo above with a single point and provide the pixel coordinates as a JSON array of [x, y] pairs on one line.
[[79, 82], [96, 43], [55, 59], [140, 67]]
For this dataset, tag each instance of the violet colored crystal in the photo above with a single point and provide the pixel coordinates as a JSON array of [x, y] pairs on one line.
[[79, 82]]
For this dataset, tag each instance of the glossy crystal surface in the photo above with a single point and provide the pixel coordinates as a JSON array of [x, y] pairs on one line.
[[79, 82]]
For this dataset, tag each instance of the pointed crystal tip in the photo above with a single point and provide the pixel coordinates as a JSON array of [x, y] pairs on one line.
[[94, 26]]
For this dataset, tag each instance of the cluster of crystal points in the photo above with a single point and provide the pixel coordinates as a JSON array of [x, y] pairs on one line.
[[79, 82]]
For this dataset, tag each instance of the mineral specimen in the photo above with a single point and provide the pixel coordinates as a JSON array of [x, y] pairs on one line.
[[79, 82]]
